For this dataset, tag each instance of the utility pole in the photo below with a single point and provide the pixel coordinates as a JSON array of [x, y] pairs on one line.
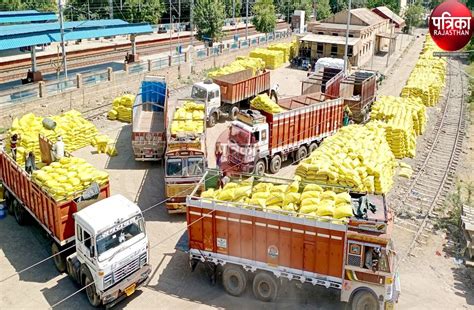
[[171, 28], [191, 22], [247, 20], [389, 44], [88, 10], [347, 37], [111, 9], [61, 28]]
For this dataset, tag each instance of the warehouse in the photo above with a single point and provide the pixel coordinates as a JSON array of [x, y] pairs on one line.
[[388, 14]]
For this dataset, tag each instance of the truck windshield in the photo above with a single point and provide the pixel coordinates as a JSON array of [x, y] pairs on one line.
[[195, 166], [199, 93], [239, 136], [119, 234], [174, 167]]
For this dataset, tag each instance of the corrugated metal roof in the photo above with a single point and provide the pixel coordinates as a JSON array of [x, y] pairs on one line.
[[322, 38], [390, 14], [367, 16], [18, 12], [27, 18], [49, 33]]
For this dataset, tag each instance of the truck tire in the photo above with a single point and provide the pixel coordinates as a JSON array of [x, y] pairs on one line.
[[59, 259], [364, 300], [19, 212], [265, 286], [233, 113], [312, 147], [275, 164], [211, 122], [234, 280], [88, 282], [301, 153], [260, 167], [9, 201]]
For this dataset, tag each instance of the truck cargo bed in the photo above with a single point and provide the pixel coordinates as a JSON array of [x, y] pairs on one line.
[[242, 85], [150, 121]]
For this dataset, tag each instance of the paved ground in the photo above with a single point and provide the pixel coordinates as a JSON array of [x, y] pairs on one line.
[[427, 282]]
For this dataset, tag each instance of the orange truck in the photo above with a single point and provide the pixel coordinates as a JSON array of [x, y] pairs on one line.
[[267, 248]]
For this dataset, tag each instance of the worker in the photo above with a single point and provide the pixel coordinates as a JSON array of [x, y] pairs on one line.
[[30, 163], [224, 179], [347, 115], [309, 69], [58, 149], [13, 144], [274, 92], [218, 153], [372, 256]]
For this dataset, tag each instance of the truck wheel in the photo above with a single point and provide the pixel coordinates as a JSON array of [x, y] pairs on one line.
[[92, 296], [8, 201], [364, 300], [275, 164], [211, 122], [301, 153], [260, 167], [312, 147], [233, 113], [19, 212], [265, 287], [234, 280], [59, 259]]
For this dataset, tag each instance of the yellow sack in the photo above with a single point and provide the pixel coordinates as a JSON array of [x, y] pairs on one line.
[[326, 208], [293, 198], [310, 201], [312, 188], [289, 207], [262, 187], [261, 195], [208, 194], [280, 188], [308, 209], [275, 198], [343, 198], [310, 194], [226, 195], [329, 195], [257, 202], [294, 187], [242, 191], [231, 185], [272, 207], [344, 210]]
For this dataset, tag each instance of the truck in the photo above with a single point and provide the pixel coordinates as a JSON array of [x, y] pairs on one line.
[[267, 248], [259, 141], [326, 80], [100, 241], [185, 163], [148, 119], [225, 95], [359, 91]]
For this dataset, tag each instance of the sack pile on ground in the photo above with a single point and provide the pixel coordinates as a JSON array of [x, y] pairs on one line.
[[404, 119], [68, 177], [241, 63], [283, 47], [122, 108], [76, 131], [104, 144], [272, 59], [295, 199], [427, 80], [405, 170], [356, 156], [189, 119], [264, 103]]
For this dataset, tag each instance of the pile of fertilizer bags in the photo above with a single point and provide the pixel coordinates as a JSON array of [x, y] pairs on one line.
[[356, 156], [76, 132], [68, 177], [273, 58], [286, 48], [403, 119], [190, 118], [264, 103], [241, 63], [122, 108], [295, 199], [427, 80]]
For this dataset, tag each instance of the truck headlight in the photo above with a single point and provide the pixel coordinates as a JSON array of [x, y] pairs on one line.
[[108, 280]]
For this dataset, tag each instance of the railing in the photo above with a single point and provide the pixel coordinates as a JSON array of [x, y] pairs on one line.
[[159, 63], [234, 46], [61, 86], [95, 78], [138, 68], [254, 41], [244, 44], [178, 59], [15, 95], [263, 39], [202, 53]]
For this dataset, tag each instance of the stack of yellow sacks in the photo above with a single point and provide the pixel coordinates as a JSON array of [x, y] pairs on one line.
[[404, 119], [68, 177], [76, 132], [283, 47], [405, 170], [104, 144], [264, 103], [190, 118], [427, 80], [293, 199], [272, 59], [356, 156], [122, 108], [241, 63]]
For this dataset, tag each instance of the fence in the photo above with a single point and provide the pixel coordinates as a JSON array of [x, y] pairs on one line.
[[26, 93]]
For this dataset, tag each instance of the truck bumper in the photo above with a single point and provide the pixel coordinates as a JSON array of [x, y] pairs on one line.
[[126, 287]]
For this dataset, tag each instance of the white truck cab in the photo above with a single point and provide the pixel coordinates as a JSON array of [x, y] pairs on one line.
[[111, 258], [210, 94]]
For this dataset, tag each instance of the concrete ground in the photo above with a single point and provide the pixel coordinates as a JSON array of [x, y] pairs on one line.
[[427, 280]]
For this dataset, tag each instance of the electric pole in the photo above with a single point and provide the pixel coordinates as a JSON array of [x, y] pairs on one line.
[[61, 28], [247, 20], [111, 9], [191, 22], [347, 37]]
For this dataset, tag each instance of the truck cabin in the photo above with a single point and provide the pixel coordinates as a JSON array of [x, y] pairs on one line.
[[208, 92], [185, 163]]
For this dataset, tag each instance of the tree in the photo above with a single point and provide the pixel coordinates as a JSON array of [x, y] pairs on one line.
[[264, 18], [393, 5], [40, 5], [209, 19], [323, 9], [414, 15], [337, 5], [287, 7], [142, 11], [229, 9]]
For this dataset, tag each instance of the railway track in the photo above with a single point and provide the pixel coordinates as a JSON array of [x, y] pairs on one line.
[[435, 169], [77, 59]]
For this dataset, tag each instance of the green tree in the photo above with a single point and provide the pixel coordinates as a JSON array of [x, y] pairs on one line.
[[287, 7], [142, 11], [264, 18], [414, 15], [337, 5], [40, 5], [323, 9], [393, 5], [229, 10], [209, 19]]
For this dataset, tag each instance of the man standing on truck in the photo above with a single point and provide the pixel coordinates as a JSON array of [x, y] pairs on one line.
[[218, 153], [58, 149], [346, 119], [13, 144], [273, 92], [30, 163]]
